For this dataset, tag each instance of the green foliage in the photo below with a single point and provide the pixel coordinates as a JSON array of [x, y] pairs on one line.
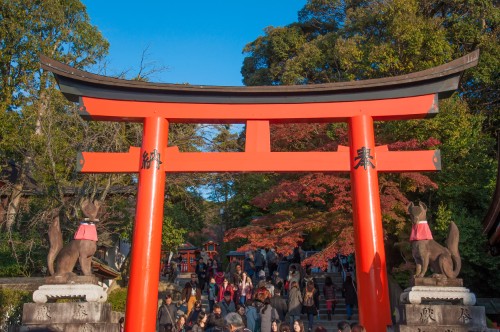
[[118, 299], [22, 253], [477, 265], [172, 236], [11, 306]]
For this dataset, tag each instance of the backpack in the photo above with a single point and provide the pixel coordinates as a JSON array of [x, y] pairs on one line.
[[309, 299]]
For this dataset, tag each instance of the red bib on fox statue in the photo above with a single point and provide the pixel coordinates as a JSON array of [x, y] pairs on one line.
[[420, 231], [86, 231]]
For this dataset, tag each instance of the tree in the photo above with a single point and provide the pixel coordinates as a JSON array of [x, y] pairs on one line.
[[59, 29], [337, 40], [41, 133]]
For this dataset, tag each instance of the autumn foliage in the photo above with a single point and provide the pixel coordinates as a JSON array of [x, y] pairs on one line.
[[316, 208]]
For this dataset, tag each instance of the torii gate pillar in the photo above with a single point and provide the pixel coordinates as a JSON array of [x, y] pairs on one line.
[[371, 271], [146, 240]]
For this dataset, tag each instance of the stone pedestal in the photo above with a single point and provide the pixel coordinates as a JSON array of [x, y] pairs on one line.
[[431, 294], [440, 317], [439, 305], [70, 317], [90, 293]]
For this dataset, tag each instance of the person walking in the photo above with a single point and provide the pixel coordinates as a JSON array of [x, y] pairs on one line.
[[180, 325], [227, 304], [279, 303], [272, 261], [260, 261], [252, 315], [245, 288], [298, 326], [267, 314], [193, 316], [349, 294], [240, 309], [166, 313], [249, 265], [329, 294], [215, 321], [344, 326], [191, 293], [294, 302], [234, 323], [201, 322], [225, 287], [310, 303], [213, 294], [275, 325], [201, 273]]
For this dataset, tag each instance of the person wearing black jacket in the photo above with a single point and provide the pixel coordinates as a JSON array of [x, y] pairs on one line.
[[279, 303], [166, 313], [215, 321]]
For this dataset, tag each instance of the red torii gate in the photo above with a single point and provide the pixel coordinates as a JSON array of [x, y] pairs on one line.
[[358, 103]]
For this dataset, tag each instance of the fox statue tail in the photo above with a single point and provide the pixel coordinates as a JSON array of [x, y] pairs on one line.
[[56, 242], [452, 245]]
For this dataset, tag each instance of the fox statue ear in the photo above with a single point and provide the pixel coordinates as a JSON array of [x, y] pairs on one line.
[[411, 205], [422, 205]]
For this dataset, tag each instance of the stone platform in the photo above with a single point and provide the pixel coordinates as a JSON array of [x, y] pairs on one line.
[[432, 294], [439, 305], [88, 292], [69, 317], [425, 316]]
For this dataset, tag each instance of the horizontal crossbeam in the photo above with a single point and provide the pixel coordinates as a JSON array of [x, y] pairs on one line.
[[384, 109], [174, 161]]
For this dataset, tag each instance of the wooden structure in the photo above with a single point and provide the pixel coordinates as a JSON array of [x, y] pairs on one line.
[[211, 248], [189, 254], [358, 103], [236, 256]]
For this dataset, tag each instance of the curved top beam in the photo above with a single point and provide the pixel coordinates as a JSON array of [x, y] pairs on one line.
[[443, 79]]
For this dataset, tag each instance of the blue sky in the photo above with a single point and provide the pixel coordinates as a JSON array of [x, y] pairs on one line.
[[200, 42]]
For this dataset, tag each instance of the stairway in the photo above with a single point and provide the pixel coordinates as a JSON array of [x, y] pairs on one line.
[[340, 313]]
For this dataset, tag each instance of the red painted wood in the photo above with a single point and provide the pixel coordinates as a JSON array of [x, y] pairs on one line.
[[390, 109], [146, 241], [371, 274], [388, 161], [258, 136]]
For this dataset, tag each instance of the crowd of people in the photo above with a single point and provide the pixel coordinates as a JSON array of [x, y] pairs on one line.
[[258, 292]]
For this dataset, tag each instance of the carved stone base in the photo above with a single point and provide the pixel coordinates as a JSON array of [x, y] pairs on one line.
[[90, 293], [69, 317], [71, 279], [441, 314], [430, 295], [437, 281], [97, 327]]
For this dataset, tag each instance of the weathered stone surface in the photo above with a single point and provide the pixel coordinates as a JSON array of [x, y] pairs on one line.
[[439, 281], [433, 294], [67, 313], [440, 315], [91, 293], [424, 328], [84, 327], [56, 280]]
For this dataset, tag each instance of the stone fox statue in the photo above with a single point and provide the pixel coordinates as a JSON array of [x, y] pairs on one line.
[[444, 262], [80, 250]]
